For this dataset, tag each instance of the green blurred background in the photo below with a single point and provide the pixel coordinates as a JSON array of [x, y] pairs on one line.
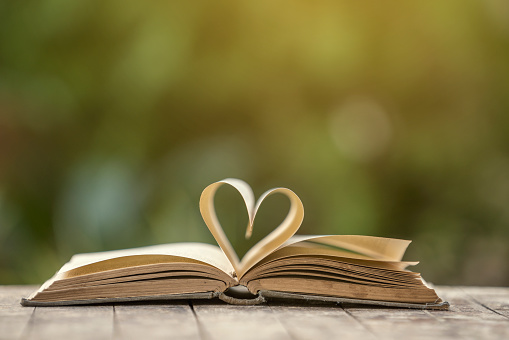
[[387, 119]]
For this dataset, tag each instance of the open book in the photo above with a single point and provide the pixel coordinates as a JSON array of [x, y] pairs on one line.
[[356, 269]]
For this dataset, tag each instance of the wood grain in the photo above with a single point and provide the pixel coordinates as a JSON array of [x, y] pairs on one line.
[[76, 322], [327, 320], [223, 321], [159, 320], [14, 319], [476, 313], [493, 298]]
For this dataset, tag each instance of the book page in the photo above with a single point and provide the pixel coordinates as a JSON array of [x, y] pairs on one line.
[[267, 245], [378, 248], [206, 253], [376, 251]]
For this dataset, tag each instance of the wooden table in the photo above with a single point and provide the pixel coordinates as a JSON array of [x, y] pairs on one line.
[[475, 313]]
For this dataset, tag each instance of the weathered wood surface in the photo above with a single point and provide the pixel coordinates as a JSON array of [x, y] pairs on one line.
[[476, 313]]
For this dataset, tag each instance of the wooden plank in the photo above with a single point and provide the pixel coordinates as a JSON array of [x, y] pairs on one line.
[[11, 295], [395, 323], [493, 298], [14, 319], [217, 320], [465, 320], [318, 320], [464, 307], [468, 319], [174, 320], [76, 322]]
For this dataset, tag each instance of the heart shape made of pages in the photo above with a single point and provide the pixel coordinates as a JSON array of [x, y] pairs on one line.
[[269, 243]]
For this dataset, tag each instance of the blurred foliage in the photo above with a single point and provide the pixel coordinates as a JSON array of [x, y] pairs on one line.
[[387, 119]]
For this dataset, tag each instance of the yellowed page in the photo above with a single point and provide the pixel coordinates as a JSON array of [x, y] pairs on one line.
[[176, 252], [207, 253], [378, 248], [208, 213], [267, 245], [297, 250], [292, 254]]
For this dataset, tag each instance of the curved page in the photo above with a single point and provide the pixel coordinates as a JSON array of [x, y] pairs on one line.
[[267, 245], [377, 248], [207, 253]]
